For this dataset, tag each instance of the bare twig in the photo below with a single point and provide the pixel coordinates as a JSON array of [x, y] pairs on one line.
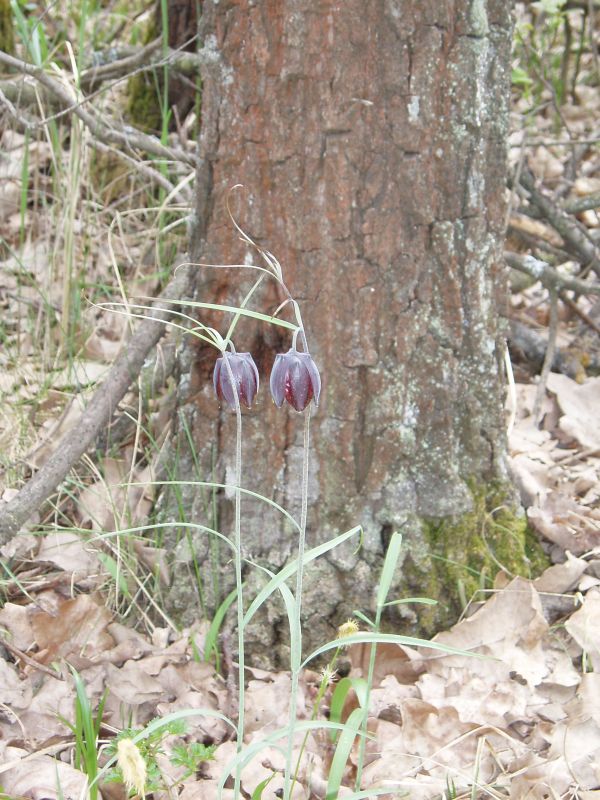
[[127, 137], [93, 77], [549, 357], [580, 204], [30, 661], [147, 171], [580, 313], [547, 275], [96, 416], [574, 235]]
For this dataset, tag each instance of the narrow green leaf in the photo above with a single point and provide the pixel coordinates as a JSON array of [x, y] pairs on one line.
[[291, 568], [210, 643], [363, 618], [340, 693], [342, 751], [388, 569], [390, 638], [257, 793], [249, 752], [425, 601], [244, 312], [111, 566]]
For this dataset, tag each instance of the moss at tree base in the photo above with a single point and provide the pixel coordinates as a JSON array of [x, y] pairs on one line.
[[467, 552], [7, 34]]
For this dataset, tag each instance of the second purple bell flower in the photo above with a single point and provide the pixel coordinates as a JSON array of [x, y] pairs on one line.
[[245, 379], [295, 378]]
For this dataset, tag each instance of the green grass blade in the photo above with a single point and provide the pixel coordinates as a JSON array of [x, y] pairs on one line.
[[214, 485], [342, 751], [425, 601], [249, 752], [340, 694], [111, 566], [210, 643], [257, 793], [389, 638], [389, 567], [363, 618], [291, 568]]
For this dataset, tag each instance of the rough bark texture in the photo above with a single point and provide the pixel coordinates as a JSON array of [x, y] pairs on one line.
[[370, 138]]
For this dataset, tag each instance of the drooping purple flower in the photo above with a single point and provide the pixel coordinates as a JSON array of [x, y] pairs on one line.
[[295, 378], [245, 378]]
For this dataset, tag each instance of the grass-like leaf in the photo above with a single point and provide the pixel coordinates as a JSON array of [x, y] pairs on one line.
[[291, 568], [389, 638], [342, 751]]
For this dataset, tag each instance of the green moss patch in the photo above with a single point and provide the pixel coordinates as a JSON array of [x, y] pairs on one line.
[[467, 552], [7, 34]]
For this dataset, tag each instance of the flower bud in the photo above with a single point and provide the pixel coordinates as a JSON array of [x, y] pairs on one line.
[[245, 378], [295, 378]]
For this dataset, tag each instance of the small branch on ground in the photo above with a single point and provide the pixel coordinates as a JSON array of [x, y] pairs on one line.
[[128, 137], [183, 193], [548, 358], [96, 416], [587, 203], [573, 233], [92, 78], [533, 346], [547, 275]]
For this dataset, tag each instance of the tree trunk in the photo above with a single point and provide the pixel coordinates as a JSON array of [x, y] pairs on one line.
[[371, 141]]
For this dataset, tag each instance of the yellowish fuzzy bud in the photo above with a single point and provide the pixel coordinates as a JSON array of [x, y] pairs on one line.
[[132, 766], [348, 628]]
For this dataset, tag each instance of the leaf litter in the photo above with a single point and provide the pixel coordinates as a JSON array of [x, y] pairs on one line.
[[523, 723]]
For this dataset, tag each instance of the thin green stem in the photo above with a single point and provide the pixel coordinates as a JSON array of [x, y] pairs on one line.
[[370, 673], [296, 633], [328, 673], [238, 572]]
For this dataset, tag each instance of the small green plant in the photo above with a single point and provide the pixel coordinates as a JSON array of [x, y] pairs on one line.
[[191, 756], [86, 730], [135, 756]]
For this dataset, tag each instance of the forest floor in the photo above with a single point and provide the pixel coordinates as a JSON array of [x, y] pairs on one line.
[[83, 226]]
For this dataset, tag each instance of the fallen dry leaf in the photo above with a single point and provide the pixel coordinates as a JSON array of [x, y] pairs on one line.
[[579, 404], [41, 777]]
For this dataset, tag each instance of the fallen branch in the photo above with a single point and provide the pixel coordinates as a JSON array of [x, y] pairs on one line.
[[573, 233], [130, 138], [178, 60], [579, 204], [547, 275], [532, 346], [96, 416], [94, 76]]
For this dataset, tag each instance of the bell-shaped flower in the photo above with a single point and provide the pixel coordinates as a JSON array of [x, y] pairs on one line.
[[245, 379], [295, 378]]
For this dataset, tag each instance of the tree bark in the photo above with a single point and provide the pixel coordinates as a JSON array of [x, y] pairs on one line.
[[370, 138]]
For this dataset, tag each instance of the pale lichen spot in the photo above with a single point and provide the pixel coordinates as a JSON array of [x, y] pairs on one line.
[[414, 108]]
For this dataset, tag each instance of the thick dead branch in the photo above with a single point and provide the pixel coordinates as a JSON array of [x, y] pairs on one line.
[[573, 233], [96, 416], [547, 275], [127, 137]]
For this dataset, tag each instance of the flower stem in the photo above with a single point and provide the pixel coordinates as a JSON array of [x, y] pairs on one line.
[[328, 673], [238, 572], [296, 632]]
